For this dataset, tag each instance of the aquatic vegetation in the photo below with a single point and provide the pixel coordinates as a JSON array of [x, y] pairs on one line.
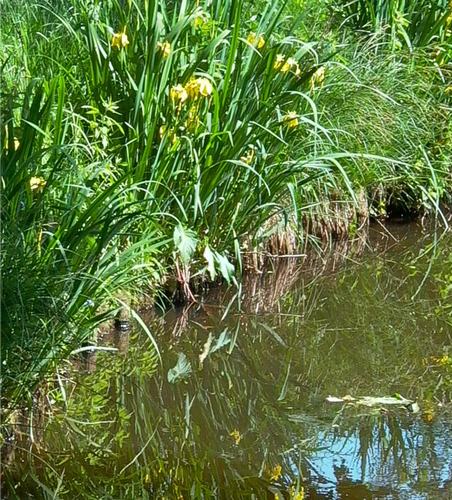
[[66, 246], [124, 144]]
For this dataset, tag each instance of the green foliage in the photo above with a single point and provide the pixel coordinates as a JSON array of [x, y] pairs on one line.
[[391, 110], [144, 121], [67, 242], [138, 136], [414, 23]]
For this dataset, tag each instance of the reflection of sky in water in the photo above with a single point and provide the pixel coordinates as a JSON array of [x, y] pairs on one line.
[[422, 469]]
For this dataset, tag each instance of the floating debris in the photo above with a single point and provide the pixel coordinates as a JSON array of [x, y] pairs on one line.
[[371, 401]]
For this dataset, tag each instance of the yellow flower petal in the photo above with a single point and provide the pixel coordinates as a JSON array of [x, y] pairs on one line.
[[205, 87], [120, 40], [251, 38], [318, 77], [192, 88], [37, 183], [279, 60], [291, 119], [285, 66], [165, 48], [178, 93]]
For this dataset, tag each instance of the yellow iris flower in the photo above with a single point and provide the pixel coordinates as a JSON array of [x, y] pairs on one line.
[[284, 66], [178, 93], [205, 87], [165, 48], [291, 119], [318, 78], [251, 38], [196, 87], [37, 183], [120, 40]]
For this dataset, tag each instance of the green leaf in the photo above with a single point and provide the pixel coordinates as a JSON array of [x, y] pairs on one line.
[[223, 340], [226, 268], [208, 255], [185, 241]]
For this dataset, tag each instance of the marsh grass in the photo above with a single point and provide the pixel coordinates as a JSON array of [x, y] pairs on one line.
[[414, 24], [391, 110], [116, 150], [147, 139], [65, 250]]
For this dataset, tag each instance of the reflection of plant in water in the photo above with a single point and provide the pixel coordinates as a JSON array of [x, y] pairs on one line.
[[241, 402], [130, 432], [438, 377]]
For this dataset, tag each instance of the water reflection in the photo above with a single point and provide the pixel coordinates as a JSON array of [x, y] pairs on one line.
[[237, 408]]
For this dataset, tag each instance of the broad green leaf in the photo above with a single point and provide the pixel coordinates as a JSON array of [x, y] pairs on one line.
[[208, 255], [185, 242], [226, 268]]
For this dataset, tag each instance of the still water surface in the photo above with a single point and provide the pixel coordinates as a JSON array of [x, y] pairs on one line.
[[237, 405]]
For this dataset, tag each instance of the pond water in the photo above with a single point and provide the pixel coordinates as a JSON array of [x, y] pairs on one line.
[[236, 407]]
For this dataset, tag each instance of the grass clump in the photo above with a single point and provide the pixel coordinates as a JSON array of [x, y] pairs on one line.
[[391, 110], [65, 240]]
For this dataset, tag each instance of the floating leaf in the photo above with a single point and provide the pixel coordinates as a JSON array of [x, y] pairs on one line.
[[389, 400], [372, 401]]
